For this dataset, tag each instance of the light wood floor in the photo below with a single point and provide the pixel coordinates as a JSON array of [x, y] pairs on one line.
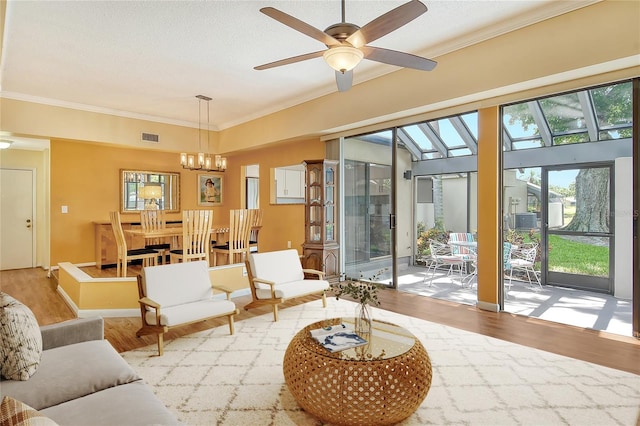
[[32, 287]]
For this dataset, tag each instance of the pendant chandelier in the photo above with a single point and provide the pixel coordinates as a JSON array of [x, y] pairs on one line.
[[202, 160]]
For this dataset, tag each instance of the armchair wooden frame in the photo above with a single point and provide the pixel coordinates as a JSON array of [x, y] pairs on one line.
[[159, 330]]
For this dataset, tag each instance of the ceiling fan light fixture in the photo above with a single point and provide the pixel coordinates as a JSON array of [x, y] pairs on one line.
[[343, 58]]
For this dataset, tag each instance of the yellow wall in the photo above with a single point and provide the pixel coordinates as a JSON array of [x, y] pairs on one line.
[[489, 225], [282, 222], [85, 177], [66, 123]]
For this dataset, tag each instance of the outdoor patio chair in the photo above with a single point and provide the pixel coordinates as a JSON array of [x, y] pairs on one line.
[[466, 253], [523, 259], [507, 249], [441, 256]]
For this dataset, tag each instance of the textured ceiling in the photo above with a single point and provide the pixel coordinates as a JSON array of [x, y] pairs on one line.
[[149, 59]]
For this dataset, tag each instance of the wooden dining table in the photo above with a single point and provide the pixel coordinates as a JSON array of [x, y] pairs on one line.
[[174, 232], [218, 233]]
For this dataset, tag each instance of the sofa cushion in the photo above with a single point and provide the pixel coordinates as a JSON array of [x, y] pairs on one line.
[[17, 413], [176, 315], [130, 404], [169, 283], [70, 372], [292, 289], [20, 340], [278, 266]]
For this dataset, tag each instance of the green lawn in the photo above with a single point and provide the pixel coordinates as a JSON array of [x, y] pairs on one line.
[[578, 258]]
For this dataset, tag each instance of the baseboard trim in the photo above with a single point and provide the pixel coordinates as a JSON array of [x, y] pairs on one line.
[[67, 300], [109, 313], [486, 306]]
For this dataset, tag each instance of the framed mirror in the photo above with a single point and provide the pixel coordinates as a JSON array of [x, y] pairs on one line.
[[149, 190], [288, 184]]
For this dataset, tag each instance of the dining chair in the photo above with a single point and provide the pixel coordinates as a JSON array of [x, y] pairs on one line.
[[196, 236], [152, 220], [255, 230], [149, 257], [240, 222]]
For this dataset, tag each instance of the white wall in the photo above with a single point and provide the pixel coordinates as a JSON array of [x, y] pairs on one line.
[[455, 204]]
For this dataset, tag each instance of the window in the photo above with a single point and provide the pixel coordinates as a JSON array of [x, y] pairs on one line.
[[592, 115]]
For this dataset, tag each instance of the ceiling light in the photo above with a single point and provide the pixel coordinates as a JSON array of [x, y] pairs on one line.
[[4, 143], [343, 58], [202, 160]]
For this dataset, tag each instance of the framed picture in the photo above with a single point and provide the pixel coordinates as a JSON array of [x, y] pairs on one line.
[[209, 190]]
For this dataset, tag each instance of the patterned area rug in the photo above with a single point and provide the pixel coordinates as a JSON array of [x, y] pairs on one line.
[[212, 378]]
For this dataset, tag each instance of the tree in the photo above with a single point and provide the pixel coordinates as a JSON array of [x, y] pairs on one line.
[[613, 106], [592, 201], [534, 177]]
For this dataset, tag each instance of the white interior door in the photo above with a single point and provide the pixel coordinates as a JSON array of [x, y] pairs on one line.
[[16, 219]]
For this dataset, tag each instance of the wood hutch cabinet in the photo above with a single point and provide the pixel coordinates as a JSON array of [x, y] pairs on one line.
[[321, 250]]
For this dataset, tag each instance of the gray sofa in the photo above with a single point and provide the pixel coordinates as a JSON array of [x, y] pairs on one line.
[[82, 380]]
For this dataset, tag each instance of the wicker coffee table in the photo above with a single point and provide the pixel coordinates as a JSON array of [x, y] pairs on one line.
[[380, 383]]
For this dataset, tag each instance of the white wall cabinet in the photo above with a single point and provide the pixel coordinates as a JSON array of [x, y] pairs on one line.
[[289, 183]]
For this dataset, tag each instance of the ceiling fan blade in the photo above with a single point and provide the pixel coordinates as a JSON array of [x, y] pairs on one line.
[[291, 60], [344, 80], [386, 23], [400, 59], [300, 26]]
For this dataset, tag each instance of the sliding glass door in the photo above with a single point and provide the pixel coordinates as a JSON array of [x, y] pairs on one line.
[[368, 214]]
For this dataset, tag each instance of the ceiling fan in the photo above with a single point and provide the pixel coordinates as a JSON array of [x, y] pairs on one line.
[[347, 43]]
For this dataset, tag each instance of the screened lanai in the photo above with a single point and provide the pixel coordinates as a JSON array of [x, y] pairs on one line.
[[566, 185]]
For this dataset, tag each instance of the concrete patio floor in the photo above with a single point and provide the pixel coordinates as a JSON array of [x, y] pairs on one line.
[[563, 305]]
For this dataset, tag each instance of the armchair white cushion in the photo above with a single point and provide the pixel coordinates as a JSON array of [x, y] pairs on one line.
[[179, 294], [278, 275]]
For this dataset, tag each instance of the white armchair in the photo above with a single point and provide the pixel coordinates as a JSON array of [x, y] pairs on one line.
[[179, 294], [277, 276]]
